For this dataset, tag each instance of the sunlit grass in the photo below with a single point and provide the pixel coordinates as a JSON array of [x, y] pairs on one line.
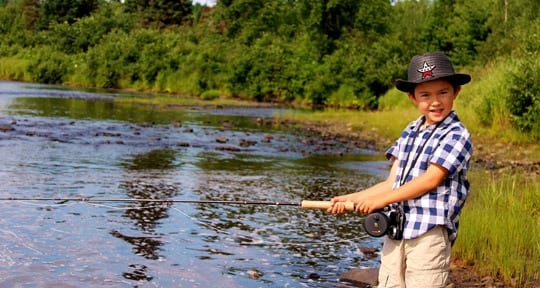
[[172, 101], [13, 68], [388, 124], [500, 226]]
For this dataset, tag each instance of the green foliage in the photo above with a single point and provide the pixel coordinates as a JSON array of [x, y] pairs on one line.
[[112, 60], [210, 95], [343, 97], [88, 31], [48, 66], [160, 13], [394, 99], [323, 52], [13, 68], [30, 13], [8, 23], [523, 98], [60, 11]]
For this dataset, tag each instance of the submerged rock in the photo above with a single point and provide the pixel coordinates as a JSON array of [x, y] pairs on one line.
[[254, 273], [361, 277]]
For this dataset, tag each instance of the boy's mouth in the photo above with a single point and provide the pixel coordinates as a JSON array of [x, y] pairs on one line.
[[436, 111]]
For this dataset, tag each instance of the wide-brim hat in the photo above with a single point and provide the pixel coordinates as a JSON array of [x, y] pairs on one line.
[[430, 66]]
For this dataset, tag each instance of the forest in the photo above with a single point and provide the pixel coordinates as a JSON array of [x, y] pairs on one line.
[[325, 53]]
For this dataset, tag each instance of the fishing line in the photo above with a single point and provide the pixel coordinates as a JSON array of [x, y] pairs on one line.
[[264, 242], [99, 202], [61, 200]]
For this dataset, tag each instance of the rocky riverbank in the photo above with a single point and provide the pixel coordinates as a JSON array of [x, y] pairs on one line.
[[497, 157]]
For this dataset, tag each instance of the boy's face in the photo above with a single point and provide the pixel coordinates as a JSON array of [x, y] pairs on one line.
[[434, 99]]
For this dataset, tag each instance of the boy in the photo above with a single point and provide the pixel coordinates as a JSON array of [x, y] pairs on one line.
[[427, 181]]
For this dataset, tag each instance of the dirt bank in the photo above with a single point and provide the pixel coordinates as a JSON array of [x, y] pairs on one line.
[[494, 156]]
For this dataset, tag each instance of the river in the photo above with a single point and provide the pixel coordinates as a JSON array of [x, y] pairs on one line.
[[59, 142]]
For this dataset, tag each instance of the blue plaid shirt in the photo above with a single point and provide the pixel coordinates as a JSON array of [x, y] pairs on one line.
[[449, 146]]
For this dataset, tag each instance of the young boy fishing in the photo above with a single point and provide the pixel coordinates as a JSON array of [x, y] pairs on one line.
[[427, 184]]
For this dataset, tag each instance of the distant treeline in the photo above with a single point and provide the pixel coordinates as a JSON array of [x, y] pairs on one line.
[[312, 52]]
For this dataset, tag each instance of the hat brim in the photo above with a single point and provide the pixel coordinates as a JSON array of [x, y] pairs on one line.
[[455, 79]]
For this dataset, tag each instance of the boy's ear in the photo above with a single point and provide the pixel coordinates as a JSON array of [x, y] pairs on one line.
[[456, 91], [411, 97]]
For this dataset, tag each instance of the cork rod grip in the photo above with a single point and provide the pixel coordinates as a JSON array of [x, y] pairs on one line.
[[349, 206]]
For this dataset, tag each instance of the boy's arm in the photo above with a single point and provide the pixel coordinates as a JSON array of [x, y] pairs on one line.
[[373, 191], [415, 188]]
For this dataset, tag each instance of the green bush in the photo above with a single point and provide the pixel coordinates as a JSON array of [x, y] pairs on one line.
[[13, 68], [48, 66], [343, 97], [113, 63], [210, 95], [394, 99], [523, 98]]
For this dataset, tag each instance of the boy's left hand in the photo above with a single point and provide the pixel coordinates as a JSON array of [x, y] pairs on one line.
[[368, 205]]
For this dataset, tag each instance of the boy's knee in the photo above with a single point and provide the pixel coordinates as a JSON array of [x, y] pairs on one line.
[[390, 279], [427, 279]]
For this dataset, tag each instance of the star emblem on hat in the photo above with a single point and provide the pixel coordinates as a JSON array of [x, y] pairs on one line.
[[427, 70]]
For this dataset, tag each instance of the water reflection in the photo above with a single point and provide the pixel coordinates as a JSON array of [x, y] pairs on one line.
[[145, 180]]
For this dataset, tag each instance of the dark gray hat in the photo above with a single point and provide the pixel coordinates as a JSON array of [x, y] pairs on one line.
[[430, 66]]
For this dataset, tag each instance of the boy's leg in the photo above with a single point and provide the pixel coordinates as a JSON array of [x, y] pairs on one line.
[[392, 270], [428, 259]]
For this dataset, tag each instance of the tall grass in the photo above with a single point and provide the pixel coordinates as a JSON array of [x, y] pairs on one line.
[[13, 68], [384, 124], [500, 227]]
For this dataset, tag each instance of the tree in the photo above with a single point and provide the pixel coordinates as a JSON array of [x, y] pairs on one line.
[[160, 13], [30, 13], [60, 11]]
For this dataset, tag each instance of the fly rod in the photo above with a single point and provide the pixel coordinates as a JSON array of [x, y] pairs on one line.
[[308, 204]]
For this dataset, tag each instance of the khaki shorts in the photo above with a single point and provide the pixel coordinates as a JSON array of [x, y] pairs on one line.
[[416, 263]]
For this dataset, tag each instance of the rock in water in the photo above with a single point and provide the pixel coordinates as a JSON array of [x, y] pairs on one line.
[[365, 277], [254, 273]]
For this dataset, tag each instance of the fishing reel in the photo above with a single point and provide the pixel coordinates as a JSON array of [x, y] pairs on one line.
[[385, 222]]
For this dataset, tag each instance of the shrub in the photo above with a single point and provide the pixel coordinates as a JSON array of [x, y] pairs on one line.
[[523, 98], [48, 66], [394, 99], [210, 95]]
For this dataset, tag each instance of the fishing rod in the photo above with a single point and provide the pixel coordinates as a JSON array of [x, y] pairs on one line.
[[307, 204]]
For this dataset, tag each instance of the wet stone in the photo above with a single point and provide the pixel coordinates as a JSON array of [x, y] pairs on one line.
[[254, 273], [6, 128], [221, 140], [361, 277]]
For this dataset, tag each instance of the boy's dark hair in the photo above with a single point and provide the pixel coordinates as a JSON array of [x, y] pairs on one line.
[[455, 85]]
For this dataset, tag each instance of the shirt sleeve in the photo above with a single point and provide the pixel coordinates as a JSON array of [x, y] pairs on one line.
[[453, 151], [392, 152]]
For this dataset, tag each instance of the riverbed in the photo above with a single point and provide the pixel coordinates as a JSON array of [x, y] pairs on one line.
[[59, 142]]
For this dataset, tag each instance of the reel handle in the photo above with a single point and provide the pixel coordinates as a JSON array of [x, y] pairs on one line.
[[309, 204]]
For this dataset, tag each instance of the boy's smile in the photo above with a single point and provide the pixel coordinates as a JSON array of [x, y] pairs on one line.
[[434, 99]]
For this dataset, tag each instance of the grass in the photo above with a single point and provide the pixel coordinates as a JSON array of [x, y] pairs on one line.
[[171, 100], [500, 227], [13, 68]]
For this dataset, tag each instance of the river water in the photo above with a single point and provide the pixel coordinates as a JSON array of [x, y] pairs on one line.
[[59, 142]]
